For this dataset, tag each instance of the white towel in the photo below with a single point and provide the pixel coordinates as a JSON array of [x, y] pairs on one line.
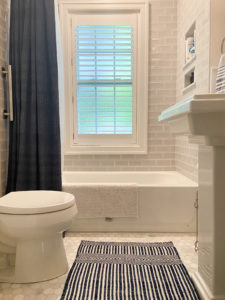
[[104, 200], [220, 78]]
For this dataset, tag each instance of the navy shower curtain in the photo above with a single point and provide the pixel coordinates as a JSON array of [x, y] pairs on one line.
[[34, 142]]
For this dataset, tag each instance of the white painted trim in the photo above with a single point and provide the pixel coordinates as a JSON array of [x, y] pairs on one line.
[[104, 2], [189, 88], [189, 63], [68, 8], [107, 140], [213, 75], [203, 289]]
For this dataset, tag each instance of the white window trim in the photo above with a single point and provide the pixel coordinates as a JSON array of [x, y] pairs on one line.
[[105, 140], [69, 8]]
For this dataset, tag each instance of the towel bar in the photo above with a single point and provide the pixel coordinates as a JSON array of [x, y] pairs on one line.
[[8, 71]]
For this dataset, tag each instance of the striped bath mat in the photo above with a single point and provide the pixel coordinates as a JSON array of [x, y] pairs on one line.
[[122, 271]]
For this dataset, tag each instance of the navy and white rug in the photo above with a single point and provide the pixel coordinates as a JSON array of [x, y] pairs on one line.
[[122, 271]]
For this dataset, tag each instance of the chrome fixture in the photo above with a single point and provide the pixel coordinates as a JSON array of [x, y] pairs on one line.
[[7, 72]]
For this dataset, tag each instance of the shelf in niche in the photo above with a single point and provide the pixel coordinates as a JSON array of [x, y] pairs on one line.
[[189, 87], [190, 33], [189, 62]]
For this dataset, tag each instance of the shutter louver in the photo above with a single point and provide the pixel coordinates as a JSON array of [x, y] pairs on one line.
[[104, 64]]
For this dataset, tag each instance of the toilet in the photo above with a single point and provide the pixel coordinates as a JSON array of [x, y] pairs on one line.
[[31, 226]]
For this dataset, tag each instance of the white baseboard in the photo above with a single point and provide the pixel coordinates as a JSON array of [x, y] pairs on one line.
[[203, 289]]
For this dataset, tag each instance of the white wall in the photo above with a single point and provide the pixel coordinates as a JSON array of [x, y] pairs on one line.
[[169, 19], [186, 154], [217, 30]]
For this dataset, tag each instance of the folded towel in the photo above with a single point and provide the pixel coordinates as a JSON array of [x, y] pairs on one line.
[[105, 200], [220, 78]]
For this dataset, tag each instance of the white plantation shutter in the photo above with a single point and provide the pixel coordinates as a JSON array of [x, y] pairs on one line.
[[104, 76]]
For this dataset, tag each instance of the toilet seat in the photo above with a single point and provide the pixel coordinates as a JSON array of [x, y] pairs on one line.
[[31, 226], [35, 202]]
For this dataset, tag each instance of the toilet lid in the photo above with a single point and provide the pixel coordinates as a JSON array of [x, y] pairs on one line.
[[35, 202]]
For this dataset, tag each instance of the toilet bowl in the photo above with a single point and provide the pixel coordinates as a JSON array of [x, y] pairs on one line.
[[31, 226]]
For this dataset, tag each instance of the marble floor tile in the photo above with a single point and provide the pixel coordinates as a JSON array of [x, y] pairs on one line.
[[52, 289]]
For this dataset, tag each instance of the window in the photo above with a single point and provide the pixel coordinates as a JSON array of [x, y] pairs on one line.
[[104, 79], [105, 59]]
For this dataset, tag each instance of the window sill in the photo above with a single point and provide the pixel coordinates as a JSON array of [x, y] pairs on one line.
[[189, 87], [84, 150]]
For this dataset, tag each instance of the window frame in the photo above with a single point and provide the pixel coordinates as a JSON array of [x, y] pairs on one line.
[[104, 139], [106, 144]]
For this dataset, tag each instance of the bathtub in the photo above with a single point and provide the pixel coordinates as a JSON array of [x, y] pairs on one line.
[[165, 201]]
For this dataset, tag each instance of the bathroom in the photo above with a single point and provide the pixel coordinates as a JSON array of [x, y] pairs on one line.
[[161, 174]]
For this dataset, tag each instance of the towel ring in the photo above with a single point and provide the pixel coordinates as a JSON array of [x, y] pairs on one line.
[[222, 44]]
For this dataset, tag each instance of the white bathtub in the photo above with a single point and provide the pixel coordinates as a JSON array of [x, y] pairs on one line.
[[165, 201]]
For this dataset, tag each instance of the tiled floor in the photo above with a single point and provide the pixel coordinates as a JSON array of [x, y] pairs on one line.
[[52, 289]]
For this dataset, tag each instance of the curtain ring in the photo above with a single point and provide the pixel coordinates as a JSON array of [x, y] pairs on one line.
[[222, 44]]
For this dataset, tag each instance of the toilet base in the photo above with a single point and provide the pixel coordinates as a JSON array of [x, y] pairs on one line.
[[37, 260]]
